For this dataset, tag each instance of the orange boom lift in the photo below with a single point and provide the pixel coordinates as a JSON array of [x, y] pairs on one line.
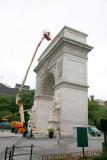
[[19, 103]]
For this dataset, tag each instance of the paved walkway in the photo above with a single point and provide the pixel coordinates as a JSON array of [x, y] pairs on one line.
[[4, 134], [43, 145]]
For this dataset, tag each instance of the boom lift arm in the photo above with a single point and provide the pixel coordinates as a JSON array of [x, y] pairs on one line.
[[19, 103]]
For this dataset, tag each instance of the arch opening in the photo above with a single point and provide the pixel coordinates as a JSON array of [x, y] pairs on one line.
[[48, 85]]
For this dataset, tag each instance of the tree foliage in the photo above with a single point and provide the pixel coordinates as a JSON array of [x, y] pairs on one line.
[[7, 102], [8, 105], [27, 99], [96, 112]]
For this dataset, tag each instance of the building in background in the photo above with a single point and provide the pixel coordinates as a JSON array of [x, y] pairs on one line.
[[5, 89]]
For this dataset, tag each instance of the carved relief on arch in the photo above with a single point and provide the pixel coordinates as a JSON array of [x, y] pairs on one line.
[[59, 67], [37, 89], [43, 68]]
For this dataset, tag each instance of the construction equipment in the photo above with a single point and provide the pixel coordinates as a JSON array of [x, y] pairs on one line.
[[5, 118], [19, 103], [16, 126]]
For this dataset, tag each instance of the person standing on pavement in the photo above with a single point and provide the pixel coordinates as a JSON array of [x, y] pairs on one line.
[[33, 131], [28, 132], [25, 133]]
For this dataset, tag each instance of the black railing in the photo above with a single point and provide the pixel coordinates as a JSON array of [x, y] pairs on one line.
[[10, 152], [70, 156]]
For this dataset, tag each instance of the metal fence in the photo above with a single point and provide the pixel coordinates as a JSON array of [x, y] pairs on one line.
[[70, 156], [13, 151], [10, 152]]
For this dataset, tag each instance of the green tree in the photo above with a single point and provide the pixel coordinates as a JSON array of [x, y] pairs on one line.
[[8, 104], [101, 114], [93, 106], [27, 97], [96, 112]]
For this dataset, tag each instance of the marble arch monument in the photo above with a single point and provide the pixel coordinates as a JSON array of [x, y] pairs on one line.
[[61, 82]]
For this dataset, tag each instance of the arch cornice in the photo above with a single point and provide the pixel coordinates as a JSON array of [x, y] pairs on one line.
[[44, 97], [86, 47], [71, 85]]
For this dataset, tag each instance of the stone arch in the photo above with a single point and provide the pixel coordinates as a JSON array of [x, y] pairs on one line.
[[62, 70], [48, 84]]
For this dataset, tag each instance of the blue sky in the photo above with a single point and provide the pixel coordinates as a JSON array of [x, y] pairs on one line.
[[23, 21]]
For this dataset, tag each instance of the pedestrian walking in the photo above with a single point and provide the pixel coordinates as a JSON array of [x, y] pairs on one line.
[[25, 133], [33, 130], [28, 132]]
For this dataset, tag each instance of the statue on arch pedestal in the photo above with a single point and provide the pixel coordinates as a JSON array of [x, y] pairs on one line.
[[56, 108]]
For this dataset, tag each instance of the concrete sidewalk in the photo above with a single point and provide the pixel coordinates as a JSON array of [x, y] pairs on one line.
[[7, 133], [44, 145], [51, 146]]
